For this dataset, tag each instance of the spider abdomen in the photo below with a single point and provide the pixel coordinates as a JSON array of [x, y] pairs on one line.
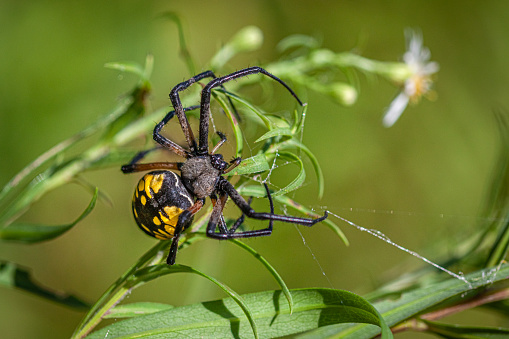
[[158, 200]]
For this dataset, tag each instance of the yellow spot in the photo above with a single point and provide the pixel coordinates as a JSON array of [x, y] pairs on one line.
[[173, 213], [168, 236], [143, 200], [146, 228], [136, 193], [170, 229], [157, 182], [135, 213], [160, 237], [148, 179], [156, 221], [141, 185]]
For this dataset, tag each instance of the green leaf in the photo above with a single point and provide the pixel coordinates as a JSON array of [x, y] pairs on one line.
[[316, 166], [30, 233], [136, 309], [156, 271], [299, 179], [255, 164], [128, 67], [13, 276], [277, 132], [271, 269], [132, 113], [12, 191], [425, 299], [118, 290], [251, 108], [466, 332], [313, 308]]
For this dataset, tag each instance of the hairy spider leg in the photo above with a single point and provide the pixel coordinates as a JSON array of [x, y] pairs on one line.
[[167, 143], [205, 100], [217, 216], [220, 143], [133, 166], [184, 221], [225, 186], [177, 105]]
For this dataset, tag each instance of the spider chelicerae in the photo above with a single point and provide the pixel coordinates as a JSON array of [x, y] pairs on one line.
[[165, 203]]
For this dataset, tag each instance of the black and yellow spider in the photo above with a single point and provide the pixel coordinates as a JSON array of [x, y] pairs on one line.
[[165, 203]]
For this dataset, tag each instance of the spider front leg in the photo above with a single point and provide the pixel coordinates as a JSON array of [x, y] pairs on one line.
[[228, 188], [205, 99], [177, 105], [165, 142]]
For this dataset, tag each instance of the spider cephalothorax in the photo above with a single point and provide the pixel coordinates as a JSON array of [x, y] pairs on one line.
[[165, 203]]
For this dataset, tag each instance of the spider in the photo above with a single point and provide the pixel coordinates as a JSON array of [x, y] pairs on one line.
[[165, 203]]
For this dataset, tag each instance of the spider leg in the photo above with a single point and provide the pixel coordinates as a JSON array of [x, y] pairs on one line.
[[165, 142], [177, 105], [217, 216], [184, 221], [228, 188], [222, 223], [205, 99], [240, 220], [220, 143], [133, 166], [234, 163], [179, 110]]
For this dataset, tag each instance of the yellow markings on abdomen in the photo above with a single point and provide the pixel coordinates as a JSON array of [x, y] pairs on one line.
[[157, 182], [143, 200], [156, 221], [146, 229], [141, 185], [172, 215], [170, 229], [148, 179]]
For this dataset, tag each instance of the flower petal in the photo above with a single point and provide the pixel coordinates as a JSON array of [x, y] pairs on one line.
[[394, 111]]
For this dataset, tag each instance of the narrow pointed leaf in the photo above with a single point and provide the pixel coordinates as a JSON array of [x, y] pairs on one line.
[[466, 332], [419, 301], [252, 109], [255, 164], [298, 180], [30, 233], [13, 276], [316, 166], [277, 132], [136, 309]]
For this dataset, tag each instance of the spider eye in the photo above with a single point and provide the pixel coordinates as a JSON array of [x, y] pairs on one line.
[[218, 162]]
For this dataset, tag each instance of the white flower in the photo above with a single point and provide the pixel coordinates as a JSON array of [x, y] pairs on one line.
[[418, 82]]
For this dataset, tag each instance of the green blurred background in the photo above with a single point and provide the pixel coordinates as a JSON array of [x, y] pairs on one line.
[[422, 182]]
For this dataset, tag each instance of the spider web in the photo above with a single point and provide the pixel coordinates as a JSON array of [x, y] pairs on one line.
[[373, 232]]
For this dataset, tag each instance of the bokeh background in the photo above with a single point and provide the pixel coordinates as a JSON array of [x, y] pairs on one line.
[[421, 182]]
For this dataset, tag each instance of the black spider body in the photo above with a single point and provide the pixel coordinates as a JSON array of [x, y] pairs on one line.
[[165, 203], [158, 200]]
